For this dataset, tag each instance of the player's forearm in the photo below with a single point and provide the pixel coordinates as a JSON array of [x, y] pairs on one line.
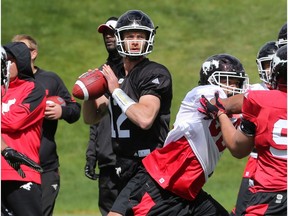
[[233, 105], [141, 115], [228, 132], [238, 143]]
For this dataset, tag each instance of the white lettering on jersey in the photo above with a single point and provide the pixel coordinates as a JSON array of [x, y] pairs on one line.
[[6, 106], [122, 117], [280, 138]]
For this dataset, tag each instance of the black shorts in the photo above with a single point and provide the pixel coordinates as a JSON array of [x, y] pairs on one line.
[[263, 203], [143, 196], [243, 198]]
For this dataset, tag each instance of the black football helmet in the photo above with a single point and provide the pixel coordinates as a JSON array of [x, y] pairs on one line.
[[264, 56], [222, 67], [282, 36], [5, 74], [134, 20], [278, 76]]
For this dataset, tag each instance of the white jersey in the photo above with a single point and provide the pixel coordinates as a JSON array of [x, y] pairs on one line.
[[190, 123], [257, 86]]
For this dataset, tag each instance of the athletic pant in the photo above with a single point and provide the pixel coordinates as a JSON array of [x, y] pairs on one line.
[[107, 189], [21, 198], [50, 189]]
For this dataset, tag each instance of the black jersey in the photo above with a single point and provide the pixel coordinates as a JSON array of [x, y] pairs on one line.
[[146, 78], [70, 113]]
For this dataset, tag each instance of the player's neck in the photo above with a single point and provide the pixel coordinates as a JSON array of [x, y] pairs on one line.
[[129, 64]]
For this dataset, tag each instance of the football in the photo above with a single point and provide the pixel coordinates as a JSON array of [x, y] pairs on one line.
[[90, 85], [55, 99]]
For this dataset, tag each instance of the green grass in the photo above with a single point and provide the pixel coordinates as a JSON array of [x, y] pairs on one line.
[[189, 32]]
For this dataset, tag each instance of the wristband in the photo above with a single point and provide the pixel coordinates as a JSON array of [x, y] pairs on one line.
[[122, 99]]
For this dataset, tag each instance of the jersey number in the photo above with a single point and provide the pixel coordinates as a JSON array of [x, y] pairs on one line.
[[215, 131], [121, 118], [279, 138]]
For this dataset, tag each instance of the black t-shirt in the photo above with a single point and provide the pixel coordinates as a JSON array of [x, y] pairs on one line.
[[146, 78]]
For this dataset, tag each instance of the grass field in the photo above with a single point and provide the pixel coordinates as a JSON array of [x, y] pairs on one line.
[[189, 32]]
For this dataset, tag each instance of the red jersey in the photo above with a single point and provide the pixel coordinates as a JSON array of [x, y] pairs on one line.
[[252, 159], [268, 111], [22, 115]]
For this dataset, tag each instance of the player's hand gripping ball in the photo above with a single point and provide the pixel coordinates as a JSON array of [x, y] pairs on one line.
[[55, 99], [90, 85]]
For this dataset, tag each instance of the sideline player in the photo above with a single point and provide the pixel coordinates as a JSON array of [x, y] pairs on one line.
[[22, 116], [13, 157], [70, 113]]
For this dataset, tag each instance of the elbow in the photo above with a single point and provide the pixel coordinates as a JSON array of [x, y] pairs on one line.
[[145, 124], [237, 155]]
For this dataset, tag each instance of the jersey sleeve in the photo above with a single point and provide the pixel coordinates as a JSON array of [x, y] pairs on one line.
[[250, 109]]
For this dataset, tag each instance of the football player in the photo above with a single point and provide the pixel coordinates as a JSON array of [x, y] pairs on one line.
[[263, 61], [140, 102], [264, 127], [172, 180]]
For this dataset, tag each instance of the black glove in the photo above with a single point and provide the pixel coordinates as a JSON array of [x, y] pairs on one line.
[[90, 170], [15, 159], [211, 111]]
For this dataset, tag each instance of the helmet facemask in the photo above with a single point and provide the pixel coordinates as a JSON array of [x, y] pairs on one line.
[[146, 45], [263, 60], [231, 82], [5, 71], [263, 65]]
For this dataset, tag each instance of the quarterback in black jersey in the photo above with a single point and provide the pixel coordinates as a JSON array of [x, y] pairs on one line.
[[139, 104]]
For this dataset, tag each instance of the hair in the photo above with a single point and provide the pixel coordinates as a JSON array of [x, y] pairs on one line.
[[31, 41]]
